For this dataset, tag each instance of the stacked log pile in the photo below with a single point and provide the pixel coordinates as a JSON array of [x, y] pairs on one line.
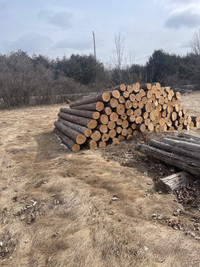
[[182, 152], [119, 113]]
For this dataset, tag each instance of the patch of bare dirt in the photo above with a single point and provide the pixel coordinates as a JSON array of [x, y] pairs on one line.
[[91, 208]]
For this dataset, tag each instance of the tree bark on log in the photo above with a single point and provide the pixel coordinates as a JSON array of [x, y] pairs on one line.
[[190, 136], [67, 141], [174, 149], [96, 106], [83, 113], [183, 163], [91, 124], [71, 133], [81, 129], [173, 182], [182, 144], [104, 97]]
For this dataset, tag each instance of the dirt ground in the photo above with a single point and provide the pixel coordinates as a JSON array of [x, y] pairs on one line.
[[91, 208]]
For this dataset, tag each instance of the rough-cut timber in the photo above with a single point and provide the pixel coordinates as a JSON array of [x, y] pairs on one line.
[[67, 141], [190, 136], [104, 97], [174, 149], [83, 113], [173, 182], [126, 110], [91, 124], [96, 106], [182, 144], [183, 163], [81, 129], [71, 133]]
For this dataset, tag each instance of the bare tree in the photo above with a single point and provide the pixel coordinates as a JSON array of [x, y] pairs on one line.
[[118, 51], [195, 43]]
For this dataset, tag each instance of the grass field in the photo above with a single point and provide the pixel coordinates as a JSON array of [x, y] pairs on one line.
[[91, 208]]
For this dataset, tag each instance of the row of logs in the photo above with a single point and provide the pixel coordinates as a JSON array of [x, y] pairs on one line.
[[182, 152], [119, 113]]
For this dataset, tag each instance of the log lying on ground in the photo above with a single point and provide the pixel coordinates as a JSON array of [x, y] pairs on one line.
[[81, 129], [67, 141], [190, 136], [188, 165], [174, 149], [83, 113], [91, 124], [173, 182], [77, 137], [182, 144]]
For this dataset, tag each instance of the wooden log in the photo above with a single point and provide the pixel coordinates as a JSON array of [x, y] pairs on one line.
[[114, 116], [132, 118], [126, 94], [113, 102], [103, 119], [123, 116], [105, 137], [120, 109], [174, 149], [116, 94], [92, 144], [173, 182], [104, 97], [139, 119], [81, 129], [115, 140], [96, 135], [107, 110], [91, 124], [111, 125], [190, 136], [136, 87], [96, 106], [121, 100], [178, 95], [112, 133], [182, 144], [132, 97], [129, 112], [67, 141], [101, 144], [183, 163], [118, 129], [119, 122], [128, 104], [124, 132], [102, 128], [83, 113], [77, 137], [130, 88], [125, 124]]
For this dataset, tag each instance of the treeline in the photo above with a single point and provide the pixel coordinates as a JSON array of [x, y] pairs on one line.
[[35, 80]]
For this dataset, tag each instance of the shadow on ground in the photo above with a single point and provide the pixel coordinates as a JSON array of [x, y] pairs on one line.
[[49, 147]]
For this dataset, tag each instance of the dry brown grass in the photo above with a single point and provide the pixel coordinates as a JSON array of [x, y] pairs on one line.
[[74, 221]]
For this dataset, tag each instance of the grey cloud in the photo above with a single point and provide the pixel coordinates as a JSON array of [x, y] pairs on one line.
[[63, 19], [183, 19], [31, 43], [77, 44]]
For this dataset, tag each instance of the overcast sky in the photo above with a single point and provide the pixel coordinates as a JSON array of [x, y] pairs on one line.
[[58, 28]]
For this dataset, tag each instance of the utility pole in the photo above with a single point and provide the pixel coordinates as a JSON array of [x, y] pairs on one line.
[[94, 42]]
